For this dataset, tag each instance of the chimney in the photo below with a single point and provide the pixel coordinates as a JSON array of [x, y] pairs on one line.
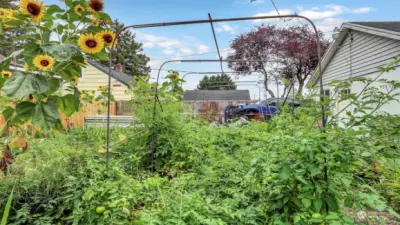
[[118, 67], [336, 33]]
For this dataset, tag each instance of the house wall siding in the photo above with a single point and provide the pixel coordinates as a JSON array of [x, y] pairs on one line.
[[361, 58], [92, 78], [368, 52]]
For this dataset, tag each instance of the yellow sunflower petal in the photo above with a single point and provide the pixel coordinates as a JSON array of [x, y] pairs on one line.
[[76, 80], [6, 74], [33, 8], [90, 43], [108, 37], [78, 9], [43, 62]]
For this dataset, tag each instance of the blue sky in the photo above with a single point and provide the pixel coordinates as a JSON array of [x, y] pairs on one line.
[[182, 41]]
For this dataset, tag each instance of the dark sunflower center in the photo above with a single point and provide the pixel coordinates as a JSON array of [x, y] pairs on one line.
[[33, 9], [96, 5], [108, 38], [6, 75], [44, 62], [91, 43], [79, 9]]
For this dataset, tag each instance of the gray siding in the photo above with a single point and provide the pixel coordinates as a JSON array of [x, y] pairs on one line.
[[367, 53]]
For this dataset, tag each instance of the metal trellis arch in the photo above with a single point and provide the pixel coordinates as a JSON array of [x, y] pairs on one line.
[[211, 21]]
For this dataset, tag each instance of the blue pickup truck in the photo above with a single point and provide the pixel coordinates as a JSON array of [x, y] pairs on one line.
[[263, 111]]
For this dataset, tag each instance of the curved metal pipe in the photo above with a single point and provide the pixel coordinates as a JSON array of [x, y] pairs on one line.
[[200, 22]]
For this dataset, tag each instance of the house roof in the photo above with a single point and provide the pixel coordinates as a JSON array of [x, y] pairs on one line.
[[385, 29], [230, 95], [390, 26], [119, 76]]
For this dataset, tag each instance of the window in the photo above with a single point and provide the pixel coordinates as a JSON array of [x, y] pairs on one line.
[[327, 92], [345, 91]]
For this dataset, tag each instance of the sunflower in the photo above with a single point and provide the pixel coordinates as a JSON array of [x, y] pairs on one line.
[[76, 80], [108, 37], [26, 67], [78, 9], [33, 8], [90, 43], [7, 15], [93, 92], [6, 74], [100, 87], [96, 6], [43, 62], [173, 76]]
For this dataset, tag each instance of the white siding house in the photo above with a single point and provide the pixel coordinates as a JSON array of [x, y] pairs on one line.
[[357, 51]]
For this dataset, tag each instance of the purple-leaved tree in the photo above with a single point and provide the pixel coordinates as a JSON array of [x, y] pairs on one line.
[[289, 54]]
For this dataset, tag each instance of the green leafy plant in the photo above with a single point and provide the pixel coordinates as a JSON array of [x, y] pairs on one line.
[[81, 30]]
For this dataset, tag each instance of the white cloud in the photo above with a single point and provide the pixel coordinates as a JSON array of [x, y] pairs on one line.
[[362, 10], [203, 49], [159, 41], [186, 50], [328, 24], [224, 27], [148, 45], [331, 10], [318, 13], [168, 52], [272, 13]]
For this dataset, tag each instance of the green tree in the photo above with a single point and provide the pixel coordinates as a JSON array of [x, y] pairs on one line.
[[129, 53], [219, 82]]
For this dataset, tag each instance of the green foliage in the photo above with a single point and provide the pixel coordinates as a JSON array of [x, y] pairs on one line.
[[285, 171], [219, 82], [34, 91], [7, 209]]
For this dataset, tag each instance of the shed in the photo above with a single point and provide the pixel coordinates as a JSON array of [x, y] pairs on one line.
[[212, 103]]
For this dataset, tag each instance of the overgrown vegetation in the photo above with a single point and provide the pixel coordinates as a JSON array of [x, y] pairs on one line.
[[282, 172], [169, 168]]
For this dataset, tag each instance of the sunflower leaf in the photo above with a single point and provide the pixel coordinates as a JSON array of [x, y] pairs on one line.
[[22, 84], [54, 9], [59, 52], [54, 84], [46, 115], [25, 110], [30, 51], [65, 103], [69, 3], [6, 62], [102, 56], [15, 23]]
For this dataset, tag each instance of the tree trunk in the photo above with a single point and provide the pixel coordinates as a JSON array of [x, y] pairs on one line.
[[284, 92], [270, 92], [301, 87]]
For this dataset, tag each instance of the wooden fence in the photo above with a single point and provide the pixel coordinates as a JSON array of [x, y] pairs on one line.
[[78, 119]]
